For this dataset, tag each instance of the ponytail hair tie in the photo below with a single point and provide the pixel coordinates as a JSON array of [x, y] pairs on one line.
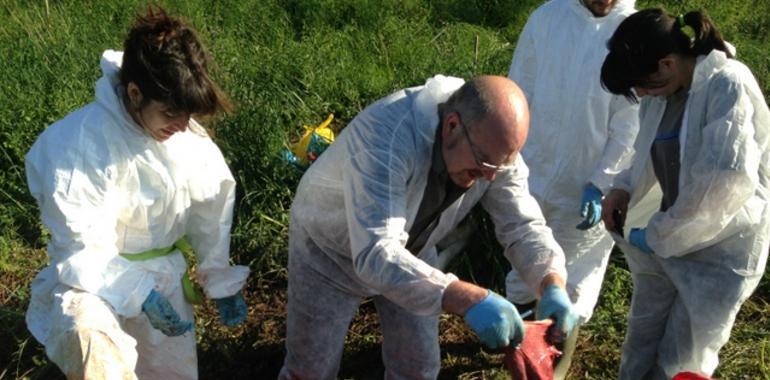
[[686, 29], [680, 20]]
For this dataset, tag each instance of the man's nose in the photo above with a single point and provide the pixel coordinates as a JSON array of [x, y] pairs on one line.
[[489, 175]]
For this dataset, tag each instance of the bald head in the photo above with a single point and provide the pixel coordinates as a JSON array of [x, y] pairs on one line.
[[493, 108], [507, 113]]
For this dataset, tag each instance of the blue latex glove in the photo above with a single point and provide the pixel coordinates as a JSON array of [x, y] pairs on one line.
[[590, 207], [496, 322], [555, 304], [162, 315], [638, 238], [232, 310]]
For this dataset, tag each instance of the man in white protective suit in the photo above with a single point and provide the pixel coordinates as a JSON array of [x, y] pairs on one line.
[[580, 137], [367, 216]]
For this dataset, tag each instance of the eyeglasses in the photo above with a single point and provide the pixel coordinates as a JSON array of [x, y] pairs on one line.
[[483, 165]]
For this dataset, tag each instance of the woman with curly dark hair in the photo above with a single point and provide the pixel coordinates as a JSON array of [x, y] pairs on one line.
[[127, 186]]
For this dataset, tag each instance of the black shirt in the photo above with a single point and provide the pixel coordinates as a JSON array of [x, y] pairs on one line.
[[665, 149], [440, 192]]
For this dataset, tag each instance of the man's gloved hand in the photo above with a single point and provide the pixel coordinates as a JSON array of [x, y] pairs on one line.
[[590, 207], [555, 304], [496, 322], [232, 310], [162, 315], [638, 238]]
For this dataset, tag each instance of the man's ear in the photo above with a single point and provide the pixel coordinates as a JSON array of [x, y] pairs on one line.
[[448, 125], [134, 94]]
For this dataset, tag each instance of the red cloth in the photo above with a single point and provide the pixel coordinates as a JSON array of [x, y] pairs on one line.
[[690, 376], [534, 358]]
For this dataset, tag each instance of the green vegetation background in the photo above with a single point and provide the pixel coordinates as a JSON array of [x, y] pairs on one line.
[[289, 63]]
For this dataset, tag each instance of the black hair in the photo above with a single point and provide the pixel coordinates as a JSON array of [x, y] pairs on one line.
[[650, 35], [165, 59]]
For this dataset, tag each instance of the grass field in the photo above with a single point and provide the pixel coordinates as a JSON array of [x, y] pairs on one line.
[[289, 63]]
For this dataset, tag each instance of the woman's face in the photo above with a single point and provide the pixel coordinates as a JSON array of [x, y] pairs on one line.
[[658, 84], [674, 73], [156, 118], [161, 122]]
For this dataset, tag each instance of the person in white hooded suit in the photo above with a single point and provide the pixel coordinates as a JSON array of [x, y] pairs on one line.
[[368, 213], [581, 137], [124, 185], [704, 137]]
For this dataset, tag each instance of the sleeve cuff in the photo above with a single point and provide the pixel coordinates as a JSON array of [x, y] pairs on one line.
[[223, 282]]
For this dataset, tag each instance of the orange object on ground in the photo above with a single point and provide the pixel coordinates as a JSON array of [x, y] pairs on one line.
[[534, 358]]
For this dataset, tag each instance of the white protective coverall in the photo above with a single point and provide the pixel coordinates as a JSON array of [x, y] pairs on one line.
[[579, 133], [348, 232], [710, 247], [105, 187]]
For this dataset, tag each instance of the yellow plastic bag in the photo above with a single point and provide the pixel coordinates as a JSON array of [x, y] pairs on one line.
[[313, 142]]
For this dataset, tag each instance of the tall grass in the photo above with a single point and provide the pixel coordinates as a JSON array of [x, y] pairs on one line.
[[289, 63]]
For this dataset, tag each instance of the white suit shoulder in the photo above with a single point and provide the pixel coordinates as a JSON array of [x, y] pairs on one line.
[[78, 142], [734, 74]]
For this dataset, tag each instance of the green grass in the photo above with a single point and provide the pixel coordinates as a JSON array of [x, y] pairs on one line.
[[288, 63]]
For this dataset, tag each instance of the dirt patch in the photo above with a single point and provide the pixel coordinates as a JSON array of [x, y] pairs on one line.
[[256, 349]]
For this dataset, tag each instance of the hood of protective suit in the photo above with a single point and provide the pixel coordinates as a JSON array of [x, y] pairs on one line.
[[436, 91], [108, 86], [110, 65]]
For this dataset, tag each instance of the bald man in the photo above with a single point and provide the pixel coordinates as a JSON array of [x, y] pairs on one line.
[[368, 213]]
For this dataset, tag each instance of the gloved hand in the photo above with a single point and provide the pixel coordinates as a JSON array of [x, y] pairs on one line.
[[496, 322], [638, 238], [555, 304], [232, 310], [590, 207], [615, 210], [162, 315]]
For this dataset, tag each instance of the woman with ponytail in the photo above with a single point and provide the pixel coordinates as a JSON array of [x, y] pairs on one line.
[[130, 187], [703, 137]]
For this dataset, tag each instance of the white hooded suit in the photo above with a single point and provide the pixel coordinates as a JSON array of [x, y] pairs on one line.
[[711, 246], [579, 134], [105, 187]]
